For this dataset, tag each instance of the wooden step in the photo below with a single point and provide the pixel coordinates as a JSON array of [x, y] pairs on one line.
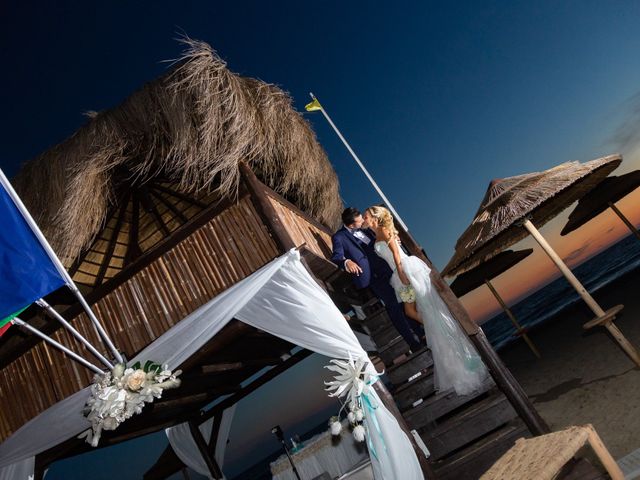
[[471, 462], [468, 425], [377, 320], [399, 374], [393, 350], [420, 388], [385, 335], [435, 407]]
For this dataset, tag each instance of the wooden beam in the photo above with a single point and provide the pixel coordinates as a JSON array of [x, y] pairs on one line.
[[179, 196], [149, 206], [232, 366], [253, 386], [212, 465], [215, 431], [170, 206], [509, 385], [133, 248], [106, 259], [260, 199]]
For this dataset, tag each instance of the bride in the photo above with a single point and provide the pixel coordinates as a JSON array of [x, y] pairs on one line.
[[456, 363]]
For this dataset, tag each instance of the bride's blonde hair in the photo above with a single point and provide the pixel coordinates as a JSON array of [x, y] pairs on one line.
[[384, 218]]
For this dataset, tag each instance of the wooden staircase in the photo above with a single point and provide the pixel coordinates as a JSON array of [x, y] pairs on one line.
[[464, 434]]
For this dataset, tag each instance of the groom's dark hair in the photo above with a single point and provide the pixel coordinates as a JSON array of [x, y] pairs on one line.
[[349, 215]]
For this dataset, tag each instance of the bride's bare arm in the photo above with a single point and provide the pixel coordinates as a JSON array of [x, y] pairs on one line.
[[395, 249]]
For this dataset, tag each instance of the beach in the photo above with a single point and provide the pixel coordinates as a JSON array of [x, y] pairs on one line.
[[583, 376]]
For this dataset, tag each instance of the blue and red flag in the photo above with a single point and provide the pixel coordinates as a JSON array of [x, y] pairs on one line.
[[27, 273]]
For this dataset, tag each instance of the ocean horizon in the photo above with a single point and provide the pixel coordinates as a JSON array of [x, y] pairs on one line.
[[545, 303]]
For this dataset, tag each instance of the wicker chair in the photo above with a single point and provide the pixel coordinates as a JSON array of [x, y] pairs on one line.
[[542, 458]]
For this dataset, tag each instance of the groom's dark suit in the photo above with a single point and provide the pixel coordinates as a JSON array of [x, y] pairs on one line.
[[375, 275]]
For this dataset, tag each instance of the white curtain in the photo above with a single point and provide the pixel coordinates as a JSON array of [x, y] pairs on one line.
[[186, 449], [281, 298]]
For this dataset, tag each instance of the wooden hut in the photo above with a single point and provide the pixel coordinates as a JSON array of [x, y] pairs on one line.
[[158, 205]]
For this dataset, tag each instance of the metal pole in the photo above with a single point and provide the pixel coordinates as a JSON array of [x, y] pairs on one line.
[[42, 303], [57, 263], [366, 172], [293, 466], [57, 345]]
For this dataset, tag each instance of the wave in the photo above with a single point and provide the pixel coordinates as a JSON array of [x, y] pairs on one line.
[[539, 307]]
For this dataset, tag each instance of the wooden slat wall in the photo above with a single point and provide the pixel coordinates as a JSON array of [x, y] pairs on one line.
[[301, 229], [227, 249]]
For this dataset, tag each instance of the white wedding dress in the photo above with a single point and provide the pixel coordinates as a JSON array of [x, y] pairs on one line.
[[457, 365]]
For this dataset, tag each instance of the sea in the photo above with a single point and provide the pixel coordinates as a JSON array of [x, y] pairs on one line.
[[539, 307]]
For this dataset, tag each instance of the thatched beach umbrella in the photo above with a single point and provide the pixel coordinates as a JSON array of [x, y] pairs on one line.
[[605, 195], [484, 273], [511, 209]]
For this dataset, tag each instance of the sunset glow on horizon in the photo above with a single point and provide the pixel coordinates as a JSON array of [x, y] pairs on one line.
[[537, 270]]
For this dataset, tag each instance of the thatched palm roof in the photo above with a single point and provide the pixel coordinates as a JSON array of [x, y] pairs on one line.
[[183, 134], [472, 279], [611, 190], [539, 196]]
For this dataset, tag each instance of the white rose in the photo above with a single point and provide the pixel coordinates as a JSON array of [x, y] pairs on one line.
[[359, 415], [352, 417], [136, 379]]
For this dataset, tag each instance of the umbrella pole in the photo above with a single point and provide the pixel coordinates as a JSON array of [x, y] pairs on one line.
[[626, 221], [607, 319], [515, 322]]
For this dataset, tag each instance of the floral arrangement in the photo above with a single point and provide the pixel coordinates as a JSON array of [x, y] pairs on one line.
[[353, 381], [407, 293], [122, 393]]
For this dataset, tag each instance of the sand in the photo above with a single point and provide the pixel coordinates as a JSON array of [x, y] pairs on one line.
[[583, 376]]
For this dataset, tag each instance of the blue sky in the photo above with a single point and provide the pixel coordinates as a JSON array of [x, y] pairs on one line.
[[437, 99]]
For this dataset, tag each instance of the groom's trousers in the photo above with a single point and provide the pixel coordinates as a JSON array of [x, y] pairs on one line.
[[409, 329]]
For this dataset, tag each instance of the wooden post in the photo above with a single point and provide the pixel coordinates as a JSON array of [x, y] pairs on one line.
[[212, 465], [610, 465], [512, 317], [390, 403], [626, 221], [605, 318], [266, 210], [500, 373]]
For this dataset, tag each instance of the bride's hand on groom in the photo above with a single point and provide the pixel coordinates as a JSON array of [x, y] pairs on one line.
[[352, 267]]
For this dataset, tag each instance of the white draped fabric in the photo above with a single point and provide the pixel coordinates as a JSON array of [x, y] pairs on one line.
[[281, 298], [186, 449]]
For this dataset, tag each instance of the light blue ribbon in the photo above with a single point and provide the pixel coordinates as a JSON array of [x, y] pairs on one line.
[[371, 409]]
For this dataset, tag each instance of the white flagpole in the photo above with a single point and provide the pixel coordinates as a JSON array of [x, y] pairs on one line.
[[366, 172], [57, 345], [51, 311], [56, 261]]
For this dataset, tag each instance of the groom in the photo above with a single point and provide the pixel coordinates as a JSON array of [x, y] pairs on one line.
[[353, 252]]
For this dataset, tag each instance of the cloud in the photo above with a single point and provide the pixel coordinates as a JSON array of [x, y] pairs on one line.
[[627, 135], [578, 252]]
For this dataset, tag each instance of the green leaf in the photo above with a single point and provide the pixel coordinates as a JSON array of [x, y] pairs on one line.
[[147, 366], [136, 366]]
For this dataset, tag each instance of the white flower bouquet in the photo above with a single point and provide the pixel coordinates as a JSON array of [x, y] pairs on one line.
[[122, 393], [352, 381]]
